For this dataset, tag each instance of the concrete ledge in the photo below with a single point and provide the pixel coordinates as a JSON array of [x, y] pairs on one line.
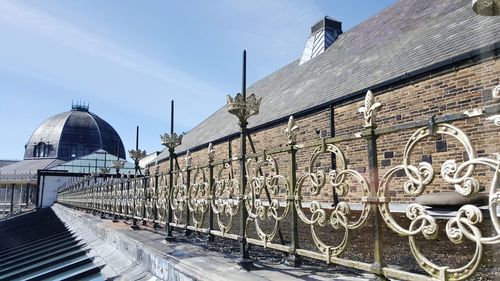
[[127, 254]]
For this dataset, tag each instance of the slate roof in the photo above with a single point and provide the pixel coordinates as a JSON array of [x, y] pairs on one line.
[[405, 37], [26, 170], [38, 246]]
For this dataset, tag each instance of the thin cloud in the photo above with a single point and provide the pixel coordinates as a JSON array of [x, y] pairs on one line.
[[69, 35]]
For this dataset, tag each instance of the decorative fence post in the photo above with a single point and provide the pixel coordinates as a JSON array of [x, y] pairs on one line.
[[243, 107], [171, 142], [130, 198], [187, 169], [145, 197], [369, 111], [156, 198], [211, 189], [291, 132]]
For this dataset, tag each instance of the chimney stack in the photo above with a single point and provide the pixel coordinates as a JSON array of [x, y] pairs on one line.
[[323, 34]]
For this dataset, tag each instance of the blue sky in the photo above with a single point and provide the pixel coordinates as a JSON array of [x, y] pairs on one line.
[[128, 59]]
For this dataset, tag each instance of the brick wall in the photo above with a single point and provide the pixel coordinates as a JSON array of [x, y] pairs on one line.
[[454, 92]]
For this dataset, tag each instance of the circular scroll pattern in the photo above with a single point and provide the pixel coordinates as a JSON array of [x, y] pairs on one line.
[[261, 188], [224, 204], [138, 197], [178, 200], [197, 198], [131, 195], [161, 201], [339, 216], [463, 225], [150, 198]]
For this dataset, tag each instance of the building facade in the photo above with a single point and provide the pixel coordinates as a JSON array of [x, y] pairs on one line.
[[418, 58], [67, 145]]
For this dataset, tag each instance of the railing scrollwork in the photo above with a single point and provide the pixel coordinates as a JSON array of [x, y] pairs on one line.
[[211, 197]]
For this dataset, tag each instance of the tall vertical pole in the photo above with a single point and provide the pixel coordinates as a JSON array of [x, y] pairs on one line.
[[244, 78], [137, 138], [12, 198], [155, 201], [38, 186], [171, 150], [172, 117], [188, 213], [212, 194], [136, 168], [244, 261], [136, 160]]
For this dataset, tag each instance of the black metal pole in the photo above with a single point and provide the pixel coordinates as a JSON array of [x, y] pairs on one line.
[[171, 150], [211, 196], [12, 198], [38, 182], [155, 202], [172, 117], [244, 78], [136, 160], [41, 191], [244, 261], [145, 181], [188, 214], [137, 138]]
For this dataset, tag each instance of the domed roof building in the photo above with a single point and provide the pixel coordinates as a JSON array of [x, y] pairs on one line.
[[68, 145], [73, 134]]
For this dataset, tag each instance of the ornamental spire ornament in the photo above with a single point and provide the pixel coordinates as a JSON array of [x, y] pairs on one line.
[[291, 131], [211, 152], [188, 159], [242, 106], [370, 109], [172, 140], [137, 154]]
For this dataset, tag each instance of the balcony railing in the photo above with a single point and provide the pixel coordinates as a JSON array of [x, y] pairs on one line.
[[286, 202]]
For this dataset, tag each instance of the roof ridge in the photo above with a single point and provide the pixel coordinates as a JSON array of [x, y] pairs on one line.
[[97, 125]]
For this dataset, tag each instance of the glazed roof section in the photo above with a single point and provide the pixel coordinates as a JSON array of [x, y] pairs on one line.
[[93, 163], [406, 37]]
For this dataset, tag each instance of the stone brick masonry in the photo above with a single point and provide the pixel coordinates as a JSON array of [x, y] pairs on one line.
[[449, 92]]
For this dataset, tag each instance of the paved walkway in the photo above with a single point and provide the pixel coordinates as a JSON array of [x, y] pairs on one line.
[[126, 254]]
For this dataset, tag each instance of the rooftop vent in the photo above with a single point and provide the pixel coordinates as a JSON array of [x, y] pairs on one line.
[[323, 34]]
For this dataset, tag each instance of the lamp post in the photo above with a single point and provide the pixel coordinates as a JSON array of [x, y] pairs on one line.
[[170, 141], [243, 107]]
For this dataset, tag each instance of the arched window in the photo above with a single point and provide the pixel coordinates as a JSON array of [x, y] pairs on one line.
[[41, 149]]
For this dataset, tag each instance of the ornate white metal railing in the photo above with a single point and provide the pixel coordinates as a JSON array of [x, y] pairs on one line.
[[216, 198]]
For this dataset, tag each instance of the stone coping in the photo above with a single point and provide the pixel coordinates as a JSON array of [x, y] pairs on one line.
[[127, 254]]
